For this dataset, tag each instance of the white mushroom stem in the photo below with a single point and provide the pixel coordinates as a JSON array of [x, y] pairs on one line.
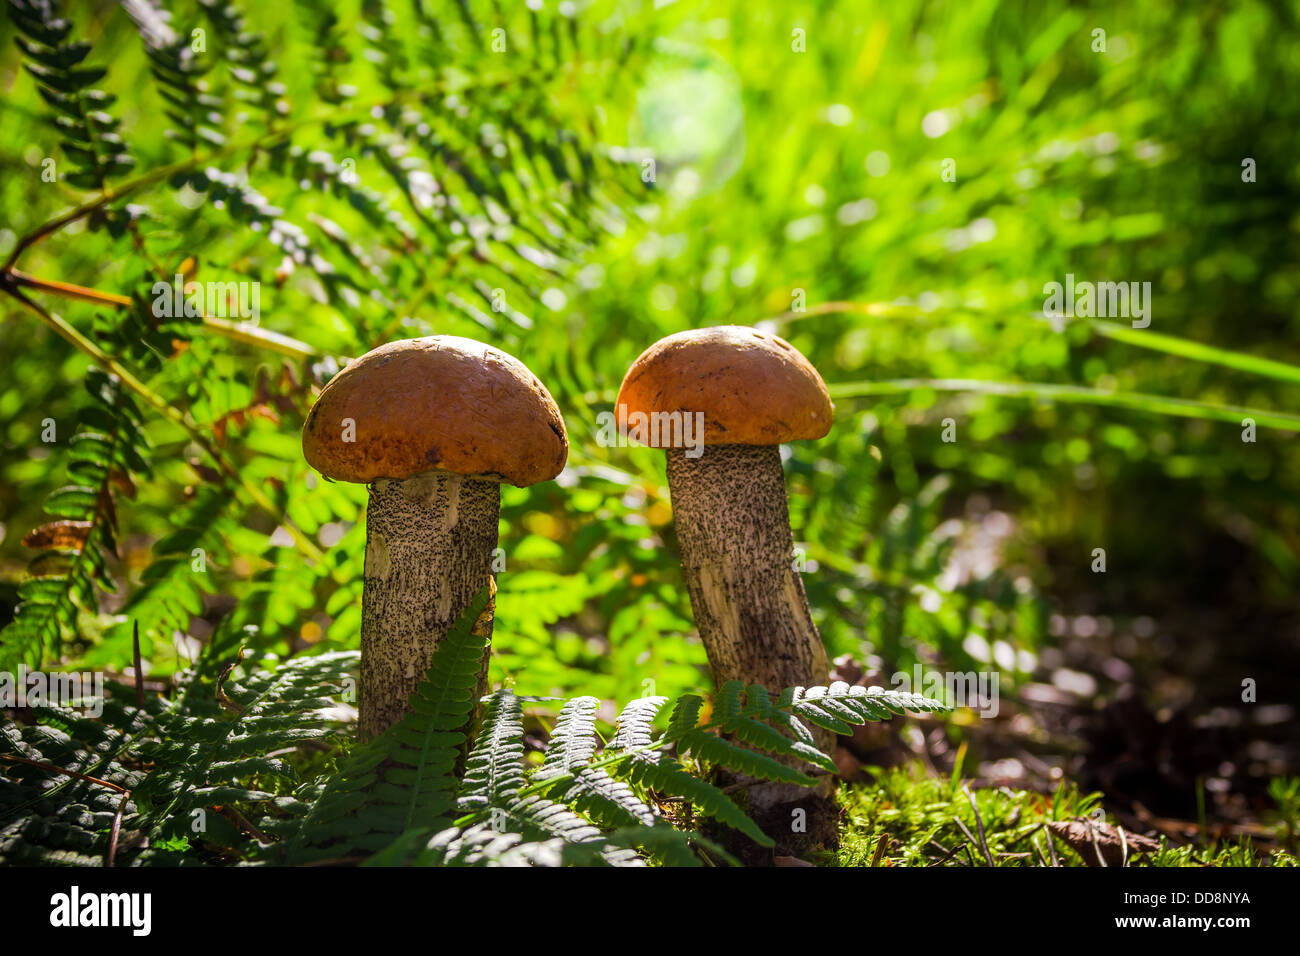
[[733, 526], [429, 546]]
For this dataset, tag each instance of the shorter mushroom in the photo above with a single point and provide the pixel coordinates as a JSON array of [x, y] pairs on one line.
[[433, 425]]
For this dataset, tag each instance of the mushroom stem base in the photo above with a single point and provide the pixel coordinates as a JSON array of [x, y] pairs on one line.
[[429, 546], [733, 525]]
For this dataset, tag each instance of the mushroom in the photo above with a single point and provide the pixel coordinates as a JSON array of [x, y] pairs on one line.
[[737, 394], [433, 425], [753, 391]]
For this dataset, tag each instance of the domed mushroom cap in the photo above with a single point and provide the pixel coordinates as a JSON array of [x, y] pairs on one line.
[[441, 402], [753, 388]]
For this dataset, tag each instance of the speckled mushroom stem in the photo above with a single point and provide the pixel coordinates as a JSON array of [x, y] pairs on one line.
[[733, 526], [729, 508], [429, 545]]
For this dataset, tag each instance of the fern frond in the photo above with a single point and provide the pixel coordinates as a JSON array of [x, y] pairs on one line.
[[205, 757], [481, 845], [48, 818], [573, 740], [634, 724], [190, 108], [645, 766], [494, 777], [195, 758], [718, 751], [89, 133], [331, 51], [667, 844], [495, 770], [589, 790], [404, 779], [250, 65], [669, 779], [105, 456]]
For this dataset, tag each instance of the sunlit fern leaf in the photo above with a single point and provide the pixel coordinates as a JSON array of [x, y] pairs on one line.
[[383, 44], [179, 72], [249, 64], [495, 770], [494, 776], [478, 844], [250, 207], [573, 740], [669, 845], [486, 847], [481, 845], [635, 722], [326, 172], [840, 706], [745, 719], [590, 790], [754, 725], [330, 48], [711, 749], [539, 818], [685, 716]]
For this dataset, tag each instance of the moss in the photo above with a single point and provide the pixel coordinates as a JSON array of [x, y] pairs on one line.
[[922, 817]]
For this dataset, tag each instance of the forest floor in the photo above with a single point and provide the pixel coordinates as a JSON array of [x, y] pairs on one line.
[[1160, 726]]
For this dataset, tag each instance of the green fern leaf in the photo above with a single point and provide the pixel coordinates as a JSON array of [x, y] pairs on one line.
[[589, 790], [406, 778]]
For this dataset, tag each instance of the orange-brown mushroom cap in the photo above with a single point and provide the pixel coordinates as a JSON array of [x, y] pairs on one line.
[[753, 388], [437, 403]]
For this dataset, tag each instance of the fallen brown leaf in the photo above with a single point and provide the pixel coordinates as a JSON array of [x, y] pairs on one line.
[[1089, 838]]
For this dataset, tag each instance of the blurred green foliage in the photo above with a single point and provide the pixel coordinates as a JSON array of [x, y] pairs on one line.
[[798, 155]]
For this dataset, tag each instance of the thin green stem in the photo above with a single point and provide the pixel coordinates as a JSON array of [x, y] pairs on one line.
[[237, 331], [1185, 348], [1142, 338], [1078, 394]]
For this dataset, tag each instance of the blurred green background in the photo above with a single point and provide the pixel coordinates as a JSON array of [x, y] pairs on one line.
[[799, 153]]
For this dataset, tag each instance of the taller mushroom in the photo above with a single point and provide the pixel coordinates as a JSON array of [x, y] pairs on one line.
[[755, 391], [433, 425]]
